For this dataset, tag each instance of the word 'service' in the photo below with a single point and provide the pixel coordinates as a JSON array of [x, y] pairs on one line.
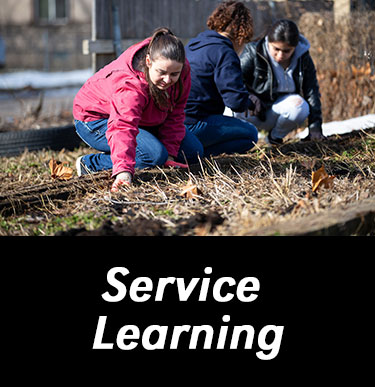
[[145, 285]]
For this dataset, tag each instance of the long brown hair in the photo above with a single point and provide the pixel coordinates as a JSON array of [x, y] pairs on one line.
[[234, 18], [163, 44]]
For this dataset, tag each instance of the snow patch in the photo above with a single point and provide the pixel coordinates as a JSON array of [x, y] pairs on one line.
[[334, 127], [43, 80], [346, 126]]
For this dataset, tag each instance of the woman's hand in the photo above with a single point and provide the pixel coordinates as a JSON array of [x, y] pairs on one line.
[[123, 178], [257, 105]]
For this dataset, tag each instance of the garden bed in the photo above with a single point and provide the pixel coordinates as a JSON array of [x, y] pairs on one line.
[[265, 192]]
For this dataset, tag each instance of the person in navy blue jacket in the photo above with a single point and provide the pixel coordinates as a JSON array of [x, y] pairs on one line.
[[217, 82]]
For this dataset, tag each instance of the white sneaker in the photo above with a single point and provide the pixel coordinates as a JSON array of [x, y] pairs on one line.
[[81, 167]]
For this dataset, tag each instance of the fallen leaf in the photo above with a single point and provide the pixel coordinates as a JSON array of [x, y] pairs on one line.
[[59, 170], [321, 178], [190, 190]]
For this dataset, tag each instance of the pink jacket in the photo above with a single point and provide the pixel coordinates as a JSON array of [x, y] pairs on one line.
[[121, 94]]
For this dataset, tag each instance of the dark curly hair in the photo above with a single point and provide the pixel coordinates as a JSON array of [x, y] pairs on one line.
[[234, 18]]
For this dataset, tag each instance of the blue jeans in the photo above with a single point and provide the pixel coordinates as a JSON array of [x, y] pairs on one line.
[[222, 134], [149, 151]]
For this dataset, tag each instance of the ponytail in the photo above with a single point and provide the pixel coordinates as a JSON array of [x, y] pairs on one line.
[[164, 44]]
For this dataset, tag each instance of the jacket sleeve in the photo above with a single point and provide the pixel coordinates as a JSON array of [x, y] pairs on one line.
[[172, 132], [229, 82], [311, 93], [127, 105], [247, 67]]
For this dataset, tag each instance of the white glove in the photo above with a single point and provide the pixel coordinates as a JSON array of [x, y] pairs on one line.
[[123, 178]]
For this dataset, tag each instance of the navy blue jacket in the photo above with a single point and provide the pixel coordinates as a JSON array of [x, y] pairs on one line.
[[216, 77]]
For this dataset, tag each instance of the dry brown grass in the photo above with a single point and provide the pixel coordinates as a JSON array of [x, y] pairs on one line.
[[239, 194]]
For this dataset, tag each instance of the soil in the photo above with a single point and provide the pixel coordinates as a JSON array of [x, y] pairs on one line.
[[265, 192], [147, 227]]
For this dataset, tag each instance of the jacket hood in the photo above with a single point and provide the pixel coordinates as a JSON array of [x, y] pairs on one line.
[[207, 38], [302, 46]]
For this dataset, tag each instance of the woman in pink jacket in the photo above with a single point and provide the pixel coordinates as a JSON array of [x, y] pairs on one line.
[[132, 111]]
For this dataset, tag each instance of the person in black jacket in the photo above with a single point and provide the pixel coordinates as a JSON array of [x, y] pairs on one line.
[[216, 82], [279, 70]]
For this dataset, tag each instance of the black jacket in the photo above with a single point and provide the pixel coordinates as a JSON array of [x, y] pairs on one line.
[[260, 80]]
